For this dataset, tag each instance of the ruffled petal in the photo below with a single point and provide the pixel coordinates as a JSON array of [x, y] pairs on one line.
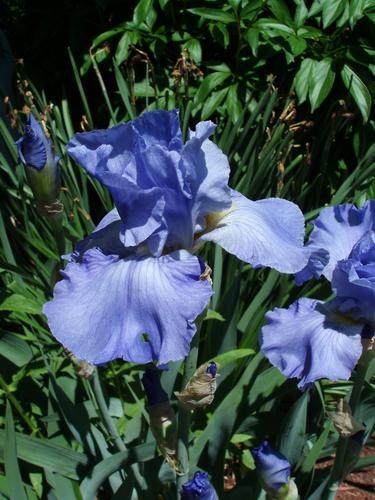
[[310, 341], [160, 127], [354, 286], [106, 237], [205, 169], [141, 309], [337, 230], [263, 233]]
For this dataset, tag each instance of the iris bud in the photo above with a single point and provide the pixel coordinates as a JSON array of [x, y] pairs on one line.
[[274, 473], [163, 423], [35, 151], [198, 487], [200, 389]]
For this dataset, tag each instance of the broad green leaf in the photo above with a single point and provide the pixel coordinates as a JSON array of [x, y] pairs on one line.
[[301, 13], [247, 459], [332, 9], [220, 33], [19, 303], [320, 80], [280, 10], [309, 32], [15, 349], [272, 24], [209, 83], [195, 49], [141, 11], [293, 432], [358, 90], [228, 357], [213, 102], [12, 471], [122, 51], [214, 14], [47, 454], [356, 11], [315, 8], [252, 36]]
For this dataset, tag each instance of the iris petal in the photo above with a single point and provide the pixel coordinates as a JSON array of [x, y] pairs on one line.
[[337, 230], [141, 309], [205, 169], [310, 342], [262, 233]]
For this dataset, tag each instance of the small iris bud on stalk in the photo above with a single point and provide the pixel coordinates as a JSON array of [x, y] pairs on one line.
[[346, 425], [162, 416], [35, 151], [274, 473], [198, 488], [200, 389]]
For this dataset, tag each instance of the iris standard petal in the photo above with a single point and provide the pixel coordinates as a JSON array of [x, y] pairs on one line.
[[160, 127], [141, 309], [262, 233], [309, 341], [354, 285], [205, 169], [337, 230]]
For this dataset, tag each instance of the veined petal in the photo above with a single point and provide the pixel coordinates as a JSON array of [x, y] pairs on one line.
[[262, 233], [337, 229], [205, 169], [160, 127], [141, 309], [310, 341]]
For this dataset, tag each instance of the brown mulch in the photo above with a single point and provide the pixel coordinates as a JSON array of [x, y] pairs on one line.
[[358, 485]]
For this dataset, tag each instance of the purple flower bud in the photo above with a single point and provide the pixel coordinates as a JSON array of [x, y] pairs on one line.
[[198, 487], [35, 151], [273, 467], [153, 389], [211, 368]]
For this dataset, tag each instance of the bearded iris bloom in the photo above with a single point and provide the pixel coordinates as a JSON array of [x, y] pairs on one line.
[[134, 287], [314, 339]]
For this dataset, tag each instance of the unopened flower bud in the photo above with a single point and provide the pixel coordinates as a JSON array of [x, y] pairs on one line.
[[198, 488], [343, 420], [35, 151], [163, 423], [200, 389], [274, 473]]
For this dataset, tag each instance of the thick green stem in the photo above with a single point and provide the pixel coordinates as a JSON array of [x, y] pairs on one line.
[[338, 468], [184, 416], [99, 396]]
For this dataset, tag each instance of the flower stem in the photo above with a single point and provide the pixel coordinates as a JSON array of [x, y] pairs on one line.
[[338, 468], [184, 416]]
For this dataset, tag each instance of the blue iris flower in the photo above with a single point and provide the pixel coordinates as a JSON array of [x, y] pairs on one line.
[[313, 339], [198, 487], [133, 287], [273, 468]]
